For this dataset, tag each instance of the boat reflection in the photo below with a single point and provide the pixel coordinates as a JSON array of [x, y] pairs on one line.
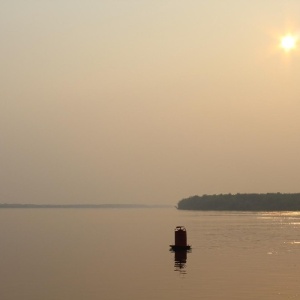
[[180, 258]]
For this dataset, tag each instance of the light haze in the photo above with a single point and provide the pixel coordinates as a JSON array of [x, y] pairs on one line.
[[147, 101]]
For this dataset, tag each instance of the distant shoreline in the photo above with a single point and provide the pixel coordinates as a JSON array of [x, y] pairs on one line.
[[80, 206], [242, 202]]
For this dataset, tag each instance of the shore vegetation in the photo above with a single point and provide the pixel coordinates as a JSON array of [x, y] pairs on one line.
[[242, 202]]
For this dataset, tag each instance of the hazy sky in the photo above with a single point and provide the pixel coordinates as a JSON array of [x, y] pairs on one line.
[[139, 101]]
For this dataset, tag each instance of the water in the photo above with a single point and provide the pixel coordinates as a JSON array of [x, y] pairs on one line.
[[110, 254]]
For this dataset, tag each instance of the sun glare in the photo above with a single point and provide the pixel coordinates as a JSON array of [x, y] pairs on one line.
[[288, 42]]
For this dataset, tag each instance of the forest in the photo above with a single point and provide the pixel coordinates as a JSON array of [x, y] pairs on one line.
[[242, 202]]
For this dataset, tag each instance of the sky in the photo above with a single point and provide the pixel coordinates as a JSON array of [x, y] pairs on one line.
[[147, 102]]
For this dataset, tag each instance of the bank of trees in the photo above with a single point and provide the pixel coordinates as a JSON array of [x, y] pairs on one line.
[[243, 202]]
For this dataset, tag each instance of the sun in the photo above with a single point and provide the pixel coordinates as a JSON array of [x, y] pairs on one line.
[[288, 42]]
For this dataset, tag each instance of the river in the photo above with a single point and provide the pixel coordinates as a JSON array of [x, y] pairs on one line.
[[112, 254]]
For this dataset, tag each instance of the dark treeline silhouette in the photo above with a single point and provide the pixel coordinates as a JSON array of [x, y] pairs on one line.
[[243, 202]]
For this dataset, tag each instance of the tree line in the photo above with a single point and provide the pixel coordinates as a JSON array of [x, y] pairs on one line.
[[242, 202]]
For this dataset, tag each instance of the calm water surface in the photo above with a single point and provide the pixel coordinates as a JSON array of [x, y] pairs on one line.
[[112, 254]]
